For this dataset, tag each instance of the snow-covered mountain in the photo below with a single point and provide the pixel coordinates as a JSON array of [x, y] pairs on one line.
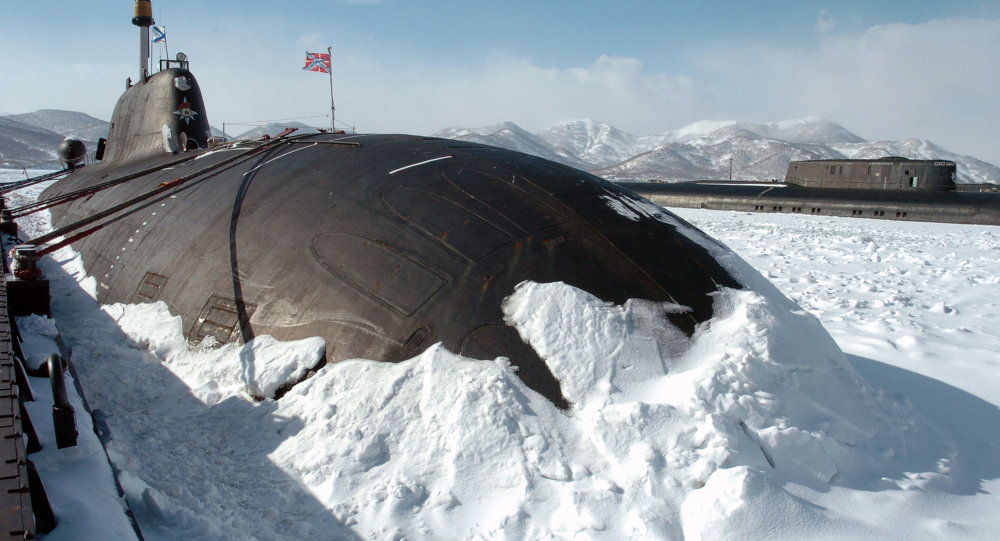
[[806, 130], [22, 145], [710, 149], [969, 169], [31, 139], [753, 158], [66, 123], [511, 136], [593, 143], [702, 150]]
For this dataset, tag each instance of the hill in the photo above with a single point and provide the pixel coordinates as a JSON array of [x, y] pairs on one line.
[[66, 123], [22, 145], [710, 149], [31, 139]]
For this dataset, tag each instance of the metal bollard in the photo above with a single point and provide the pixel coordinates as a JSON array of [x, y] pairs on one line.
[[63, 416], [7, 223], [28, 293], [24, 262]]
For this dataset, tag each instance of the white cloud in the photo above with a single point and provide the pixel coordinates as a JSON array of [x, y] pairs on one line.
[[825, 22], [424, 98], [935, 80]]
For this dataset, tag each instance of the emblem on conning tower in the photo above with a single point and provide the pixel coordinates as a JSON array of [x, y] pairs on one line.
[[185, 112]]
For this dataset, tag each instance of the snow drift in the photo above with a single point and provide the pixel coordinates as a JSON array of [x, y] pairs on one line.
[[669, 437]]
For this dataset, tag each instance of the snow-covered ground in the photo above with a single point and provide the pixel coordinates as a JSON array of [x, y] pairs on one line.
[[758, 426], [916, 309]]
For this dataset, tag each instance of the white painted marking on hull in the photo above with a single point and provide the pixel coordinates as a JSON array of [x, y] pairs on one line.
[[394, 171]]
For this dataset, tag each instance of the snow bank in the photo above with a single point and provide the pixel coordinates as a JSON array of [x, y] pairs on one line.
[[260, 368], [669, 436], [38, 339], [665, 440]]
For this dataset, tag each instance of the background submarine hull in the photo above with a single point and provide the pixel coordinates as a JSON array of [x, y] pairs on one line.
[[382, 245], [914, 205]]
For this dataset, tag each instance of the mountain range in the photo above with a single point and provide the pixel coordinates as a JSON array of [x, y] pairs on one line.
[[703, 150], [710, 150]]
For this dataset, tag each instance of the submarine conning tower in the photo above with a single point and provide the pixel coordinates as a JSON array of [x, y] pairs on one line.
[[160, 113], [163, 114], [888, 173]]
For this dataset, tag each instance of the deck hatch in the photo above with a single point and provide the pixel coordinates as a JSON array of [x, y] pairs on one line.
[[149, 288], [218, 318]]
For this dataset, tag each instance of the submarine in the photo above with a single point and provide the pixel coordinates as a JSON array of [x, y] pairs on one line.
[[888, 188], [380, 244]]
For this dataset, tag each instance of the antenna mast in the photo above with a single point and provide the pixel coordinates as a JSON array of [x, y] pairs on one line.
[[143, 18], [333, 110]]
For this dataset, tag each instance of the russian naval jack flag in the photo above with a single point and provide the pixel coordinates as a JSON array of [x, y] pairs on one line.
[[321, 62], [317, 62]]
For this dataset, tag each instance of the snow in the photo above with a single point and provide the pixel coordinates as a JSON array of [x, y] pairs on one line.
[[78, 480], [594, 143], [849, 391], [512, 137], [259, 368]]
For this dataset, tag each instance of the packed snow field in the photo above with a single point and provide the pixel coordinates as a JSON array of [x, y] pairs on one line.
[[848, 391]]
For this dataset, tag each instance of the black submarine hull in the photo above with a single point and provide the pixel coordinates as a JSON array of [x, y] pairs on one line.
[[380, 244], [982, 208]]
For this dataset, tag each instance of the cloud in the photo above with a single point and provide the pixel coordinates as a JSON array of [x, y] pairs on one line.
[[424, 98], [824, 22], [935, 80], [509, 88]]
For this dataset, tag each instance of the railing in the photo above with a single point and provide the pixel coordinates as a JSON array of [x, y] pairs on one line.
[[24, 506]]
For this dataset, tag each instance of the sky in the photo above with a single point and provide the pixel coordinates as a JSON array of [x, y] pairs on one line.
[[925, 69]]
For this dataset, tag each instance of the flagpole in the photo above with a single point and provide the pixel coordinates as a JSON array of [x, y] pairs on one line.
[[333, 110]]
